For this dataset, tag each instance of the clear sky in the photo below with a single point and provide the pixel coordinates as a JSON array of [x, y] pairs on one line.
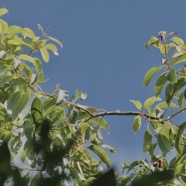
[[104, 53]]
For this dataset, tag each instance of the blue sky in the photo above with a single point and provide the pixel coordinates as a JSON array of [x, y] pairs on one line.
[[104, 53]]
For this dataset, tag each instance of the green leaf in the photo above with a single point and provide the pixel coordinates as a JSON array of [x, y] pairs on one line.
[[44, 54], [136, 124], [56, 41], [178, 41], [3, 11], [152, 41], [37, 111], [17, 102], [160, 84], [147, 142], [26, 57], [178, 146], [3, 27], [28, 32], [163, 105], [52, 47], [150, 101], [171, 76], [101, 153], [164, 144], [22, 155], [177, 60], [137, 104], [62, 95], [150, 74]]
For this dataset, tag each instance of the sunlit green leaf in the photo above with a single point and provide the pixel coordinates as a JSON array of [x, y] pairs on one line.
[[22, 155], [44, 54], [177, 60], [26, 57], [136, 124], [3, 27], [137, 104], [178, 41], [28, 32], [3, 11], [150, 101], [101, 153], [55, 40], [52, 47], [150, 74]]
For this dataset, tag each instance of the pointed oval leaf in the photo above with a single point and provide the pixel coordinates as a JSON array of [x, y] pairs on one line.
[[160, 84], [137, 104], [37, 111], [171, 76], [178, 60], [3, 11], [51, 47], [44, 54], [150, 74], [136, 124], [17, 102], [101, 153], [26, 57], [28, 32], [164, 144], [178, 41], [56, 41], [147, 142], [150, 101]]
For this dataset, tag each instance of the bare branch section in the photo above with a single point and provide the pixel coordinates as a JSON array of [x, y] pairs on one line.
[[131, 113]]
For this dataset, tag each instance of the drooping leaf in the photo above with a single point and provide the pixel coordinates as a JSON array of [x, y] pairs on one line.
[[52, 47], [37, 111], [171, 76], [177, 60], [150, 101], [179, 147], [28, 32], [160, 84], [55, 40], [137, 104], [165, 144], [150, 74], [101, 153], [26, 57], [44, 54], [17, 102], [136, 124], [147, 142], [178, 41]]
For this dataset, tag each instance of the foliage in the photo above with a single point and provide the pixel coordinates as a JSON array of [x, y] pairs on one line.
[[50, 139]]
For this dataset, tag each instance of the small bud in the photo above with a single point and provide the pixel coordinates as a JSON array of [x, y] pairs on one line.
[[155, 164]]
